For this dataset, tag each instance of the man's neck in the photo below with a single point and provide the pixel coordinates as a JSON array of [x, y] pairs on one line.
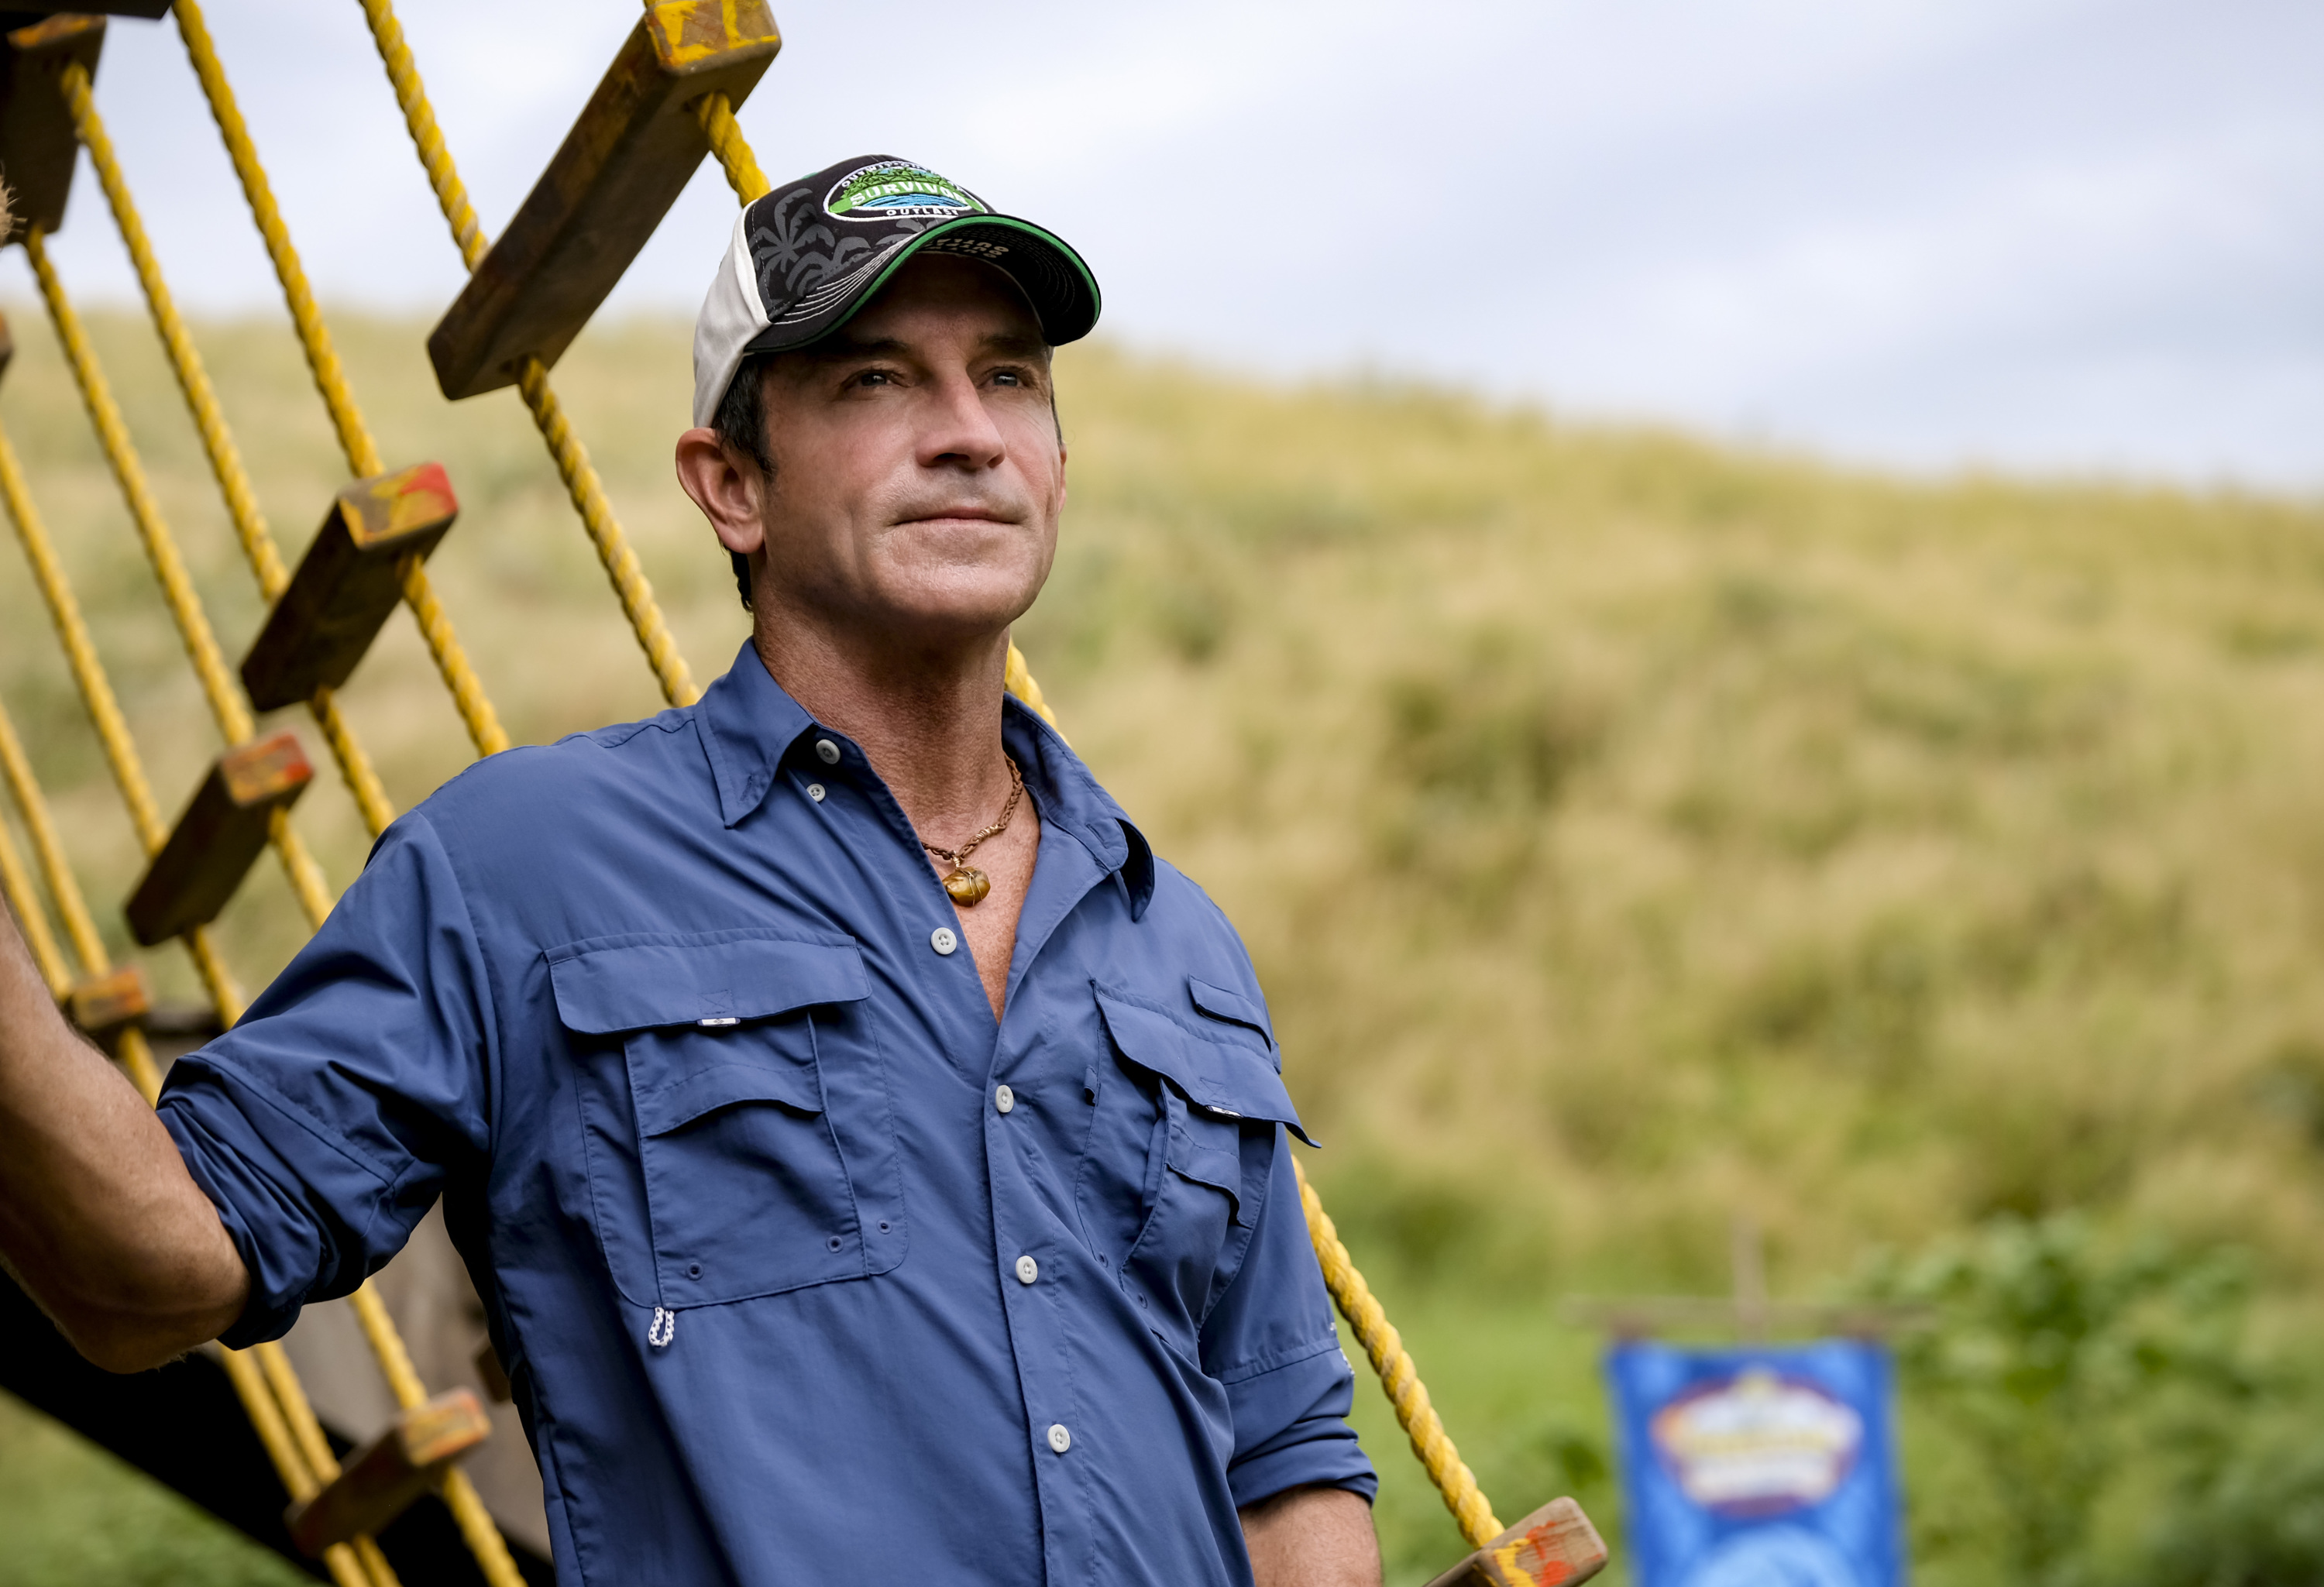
[[929, 719]]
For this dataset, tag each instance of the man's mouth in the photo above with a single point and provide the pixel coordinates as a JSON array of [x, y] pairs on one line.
[[972, 514]]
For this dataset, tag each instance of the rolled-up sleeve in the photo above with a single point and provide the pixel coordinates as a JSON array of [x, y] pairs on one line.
[[1271, 1343], [326, 1122]]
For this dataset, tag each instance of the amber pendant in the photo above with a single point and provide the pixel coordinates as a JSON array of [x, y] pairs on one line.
[[967, 885]]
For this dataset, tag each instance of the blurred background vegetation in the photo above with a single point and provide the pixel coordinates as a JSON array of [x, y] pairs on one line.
[[1629, 834]]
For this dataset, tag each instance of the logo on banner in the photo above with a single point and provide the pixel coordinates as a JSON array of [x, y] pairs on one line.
[[1757, 1445]]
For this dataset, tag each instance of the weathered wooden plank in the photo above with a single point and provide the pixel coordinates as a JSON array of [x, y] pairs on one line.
[[101, 1006], [219, 838], [380, 1480], [1555, 1547], [621, 167], [347, 583], [37, 145]]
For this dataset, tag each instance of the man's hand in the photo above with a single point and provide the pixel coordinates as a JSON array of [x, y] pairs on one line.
[[1312, 1538], [99, 1220]]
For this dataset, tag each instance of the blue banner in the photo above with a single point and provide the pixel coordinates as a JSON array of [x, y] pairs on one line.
[[1758, 1468]]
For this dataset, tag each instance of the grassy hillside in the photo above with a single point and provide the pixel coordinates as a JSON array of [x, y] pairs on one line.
[[1629, 832]]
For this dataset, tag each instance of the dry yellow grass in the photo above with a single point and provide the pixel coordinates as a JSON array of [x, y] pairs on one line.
[[1628, 832]]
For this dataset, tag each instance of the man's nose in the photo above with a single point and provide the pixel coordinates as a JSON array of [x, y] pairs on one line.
[[958, 429]]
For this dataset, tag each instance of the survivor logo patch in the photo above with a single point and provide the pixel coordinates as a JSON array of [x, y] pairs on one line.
[[896, 190]]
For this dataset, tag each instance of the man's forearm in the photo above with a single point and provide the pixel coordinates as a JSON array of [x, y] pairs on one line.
[[98, 1218], [1312, 1538]]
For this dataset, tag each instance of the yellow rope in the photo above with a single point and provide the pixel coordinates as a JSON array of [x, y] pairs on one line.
[[219, 685], [1018, 679], [64, 891], [621, 563], [32, 916], [226, 460], [40, 830], [716, 114], [225, 997], [80, 654], [581, 481], [476, 713], [217, 441], [460, 1495], [427, 137], [112, 434], [314, 336], [267, 1417], [1397, 1376]]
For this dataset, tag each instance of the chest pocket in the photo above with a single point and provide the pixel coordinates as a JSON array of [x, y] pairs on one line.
[[1181, 1153], [734, 1114]]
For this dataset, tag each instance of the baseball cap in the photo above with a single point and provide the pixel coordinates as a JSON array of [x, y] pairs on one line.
[[804, 258]]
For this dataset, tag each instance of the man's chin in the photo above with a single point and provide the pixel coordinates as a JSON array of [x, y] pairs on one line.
[[953, 612]]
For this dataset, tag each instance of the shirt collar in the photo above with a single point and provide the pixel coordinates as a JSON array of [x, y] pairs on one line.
[[750, 724]]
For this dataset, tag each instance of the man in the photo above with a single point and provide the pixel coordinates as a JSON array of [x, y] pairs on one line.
[[872, 1159]]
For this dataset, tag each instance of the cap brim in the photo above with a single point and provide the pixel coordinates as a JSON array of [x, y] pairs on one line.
[[1062, 292]]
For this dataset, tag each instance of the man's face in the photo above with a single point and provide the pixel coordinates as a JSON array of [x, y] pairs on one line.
[[918, 473]]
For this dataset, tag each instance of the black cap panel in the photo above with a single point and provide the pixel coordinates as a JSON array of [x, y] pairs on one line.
[[821, 245]]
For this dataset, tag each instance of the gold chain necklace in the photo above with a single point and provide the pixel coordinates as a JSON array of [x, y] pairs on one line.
[[966, 886]]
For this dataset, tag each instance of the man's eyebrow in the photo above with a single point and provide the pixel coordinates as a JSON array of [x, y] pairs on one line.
[[1013, 344]]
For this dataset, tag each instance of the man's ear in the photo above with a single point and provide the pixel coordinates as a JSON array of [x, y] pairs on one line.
[[730, 490]]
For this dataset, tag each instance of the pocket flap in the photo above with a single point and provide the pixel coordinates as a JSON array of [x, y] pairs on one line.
[[1230, 1079], [677, 1076], [1201, 1155], [1219, 1003], [636, 983]]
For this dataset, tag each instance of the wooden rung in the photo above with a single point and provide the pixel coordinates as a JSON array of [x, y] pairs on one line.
[[37, 143], [218, 838], [380, 1480], [1555, 1547], [621, 167], [347, 583], [102, 1005]]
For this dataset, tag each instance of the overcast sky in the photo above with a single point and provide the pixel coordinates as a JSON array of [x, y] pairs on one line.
[[2049, 235]]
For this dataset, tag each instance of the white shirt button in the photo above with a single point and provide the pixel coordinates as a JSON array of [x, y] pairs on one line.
[[1028, 1270], [1003, 1099], [943, 939], [815, 792], [827, 750], [1059, 1439]]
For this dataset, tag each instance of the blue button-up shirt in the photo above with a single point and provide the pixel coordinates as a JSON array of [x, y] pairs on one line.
[[802, 1269]]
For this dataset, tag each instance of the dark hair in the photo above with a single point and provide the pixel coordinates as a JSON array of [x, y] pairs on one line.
[[741, 423]]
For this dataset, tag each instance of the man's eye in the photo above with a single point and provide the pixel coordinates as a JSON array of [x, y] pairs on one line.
[[871, 377]]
